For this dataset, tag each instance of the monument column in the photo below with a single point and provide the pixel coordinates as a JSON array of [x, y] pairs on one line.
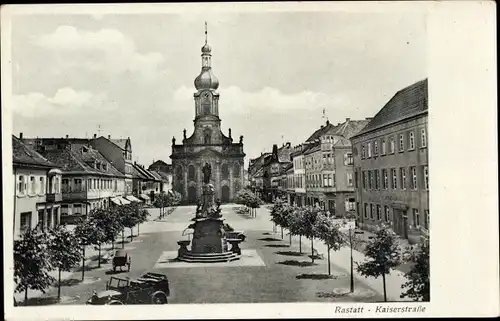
[[185, 179], [217, 168], [231, 183]]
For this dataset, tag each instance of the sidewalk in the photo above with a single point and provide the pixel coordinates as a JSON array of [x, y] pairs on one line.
[[342, 259], [91, 256]]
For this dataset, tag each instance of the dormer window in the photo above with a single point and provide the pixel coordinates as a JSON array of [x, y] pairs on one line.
[[84, 149], [105, 167], [98, 165]]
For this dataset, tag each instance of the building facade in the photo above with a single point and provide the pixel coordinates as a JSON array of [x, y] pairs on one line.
[[299, 177], [391, 165], [37, 190], [207, 145], [273, 172], [328, 163], [89, 180], [119, 153]]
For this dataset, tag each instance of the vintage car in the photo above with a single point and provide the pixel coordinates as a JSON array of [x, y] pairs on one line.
[[121, 258], [150, 288]]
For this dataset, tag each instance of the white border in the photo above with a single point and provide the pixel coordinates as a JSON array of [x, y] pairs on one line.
[[463, 156]]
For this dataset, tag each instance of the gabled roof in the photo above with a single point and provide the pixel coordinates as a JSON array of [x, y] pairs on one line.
[[340, 141], [76, 160], [24, 154], [316, 146], [259, 173], [406, 103], [346, 129], [121, 142], [138, 173]]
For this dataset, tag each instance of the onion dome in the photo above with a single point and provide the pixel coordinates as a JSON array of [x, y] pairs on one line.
[[206, 80], [206, 49]]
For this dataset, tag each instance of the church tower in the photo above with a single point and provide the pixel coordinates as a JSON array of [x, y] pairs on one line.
[[207, 143]]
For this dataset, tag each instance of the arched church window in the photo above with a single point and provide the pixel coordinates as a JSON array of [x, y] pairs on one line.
[[225, 171], [191, 173], [237, 170], [207, 136]]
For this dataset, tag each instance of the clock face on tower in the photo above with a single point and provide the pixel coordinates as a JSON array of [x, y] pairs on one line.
[[206, 96]]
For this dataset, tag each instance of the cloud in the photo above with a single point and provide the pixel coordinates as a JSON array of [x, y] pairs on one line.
[[235, 100], [105, 49], [65, 101]]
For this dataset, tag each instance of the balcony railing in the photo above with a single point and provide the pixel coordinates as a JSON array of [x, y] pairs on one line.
[[53, 197]]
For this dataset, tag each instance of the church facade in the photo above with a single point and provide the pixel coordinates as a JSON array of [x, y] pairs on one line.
[[207, 145]]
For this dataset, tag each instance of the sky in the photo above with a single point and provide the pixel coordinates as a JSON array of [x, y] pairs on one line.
[[131, 75]]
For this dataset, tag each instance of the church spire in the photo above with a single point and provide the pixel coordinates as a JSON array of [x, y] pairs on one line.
[[206, 33]]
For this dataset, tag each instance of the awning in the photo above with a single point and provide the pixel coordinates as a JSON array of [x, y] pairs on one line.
[[144, 197], [124, 201], [116, 200], [132, 198]]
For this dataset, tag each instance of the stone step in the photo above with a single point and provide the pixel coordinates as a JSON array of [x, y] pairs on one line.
[[209, 254], [211, 260], [205, 258]]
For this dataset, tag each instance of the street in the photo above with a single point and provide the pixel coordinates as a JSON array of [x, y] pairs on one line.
[[269, 270]]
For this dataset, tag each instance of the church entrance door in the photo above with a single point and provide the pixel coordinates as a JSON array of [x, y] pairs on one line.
[[192, 194], [225, 194]]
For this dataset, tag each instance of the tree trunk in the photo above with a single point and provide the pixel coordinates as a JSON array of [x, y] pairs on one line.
[[59, 284], [290, 239], [300, 244], [113, 245], [131, 234], [352, 264], [281, 232], [329, 267], [26, 296], [138, 229], [123, 238], [83, 263], [385, 293], [312, 249], [99, 257]]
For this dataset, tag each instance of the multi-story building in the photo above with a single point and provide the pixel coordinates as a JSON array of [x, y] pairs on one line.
[[273, 170], [119, 153], [289, 187], [89, 180], [298, 196], [164, 170], [256, 172], [207, 145], [328, 163], [391, 165], [37, 191]]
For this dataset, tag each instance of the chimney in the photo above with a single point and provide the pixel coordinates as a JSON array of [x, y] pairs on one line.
[[347, 119], [67, 136], [327, 122], [109, 136], [20, 135], [321, 126], [95, 136], [288, 144]]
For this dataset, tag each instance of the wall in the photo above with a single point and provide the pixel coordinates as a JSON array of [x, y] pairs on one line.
[[418, 157], [27, 202]]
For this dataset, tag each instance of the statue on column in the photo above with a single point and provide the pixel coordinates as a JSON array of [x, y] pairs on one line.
[[241, 139], [184, 131], [207, 171], [173, 140]]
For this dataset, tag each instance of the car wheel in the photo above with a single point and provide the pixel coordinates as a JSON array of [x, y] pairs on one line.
[[159, 298], [115, 303]]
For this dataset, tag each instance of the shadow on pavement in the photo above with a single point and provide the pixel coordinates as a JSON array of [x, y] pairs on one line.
[[87, 268], [269, 239], [70, 282], [297, 263], [289, 253], [276, 245], [317, 257], [317, 276], [40, 301]]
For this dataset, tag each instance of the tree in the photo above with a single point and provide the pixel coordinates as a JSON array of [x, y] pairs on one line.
[[32, 263], [86, 233], [384, 255], [277, 214], [254, 203], [295, 226], [64, 251], [418, 284], [142, 216], [108, 222], [329, 232], [163, 200], [309, 222], [129, 217]]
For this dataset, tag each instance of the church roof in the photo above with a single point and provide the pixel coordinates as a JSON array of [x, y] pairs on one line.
[[406, 103]]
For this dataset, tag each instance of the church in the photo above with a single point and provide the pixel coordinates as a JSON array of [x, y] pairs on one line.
[[207, 144]]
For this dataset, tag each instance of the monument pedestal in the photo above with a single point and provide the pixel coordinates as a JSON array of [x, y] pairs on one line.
[[209, 237]]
